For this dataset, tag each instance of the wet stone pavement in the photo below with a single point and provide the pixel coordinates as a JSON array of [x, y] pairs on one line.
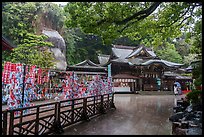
[[134, 115]]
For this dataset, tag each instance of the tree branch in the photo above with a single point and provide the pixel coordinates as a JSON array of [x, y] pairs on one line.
[[145, 13], [183, 20], [188, 16], [138, 15], [176, 19], [142, 16]]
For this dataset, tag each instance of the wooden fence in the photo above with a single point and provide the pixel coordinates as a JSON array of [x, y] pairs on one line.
[[51, 118]]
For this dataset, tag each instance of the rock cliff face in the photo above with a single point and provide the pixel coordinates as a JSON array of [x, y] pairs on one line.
[[59, 48]]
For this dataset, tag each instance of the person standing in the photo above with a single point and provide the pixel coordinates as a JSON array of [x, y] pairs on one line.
[[175, 90]]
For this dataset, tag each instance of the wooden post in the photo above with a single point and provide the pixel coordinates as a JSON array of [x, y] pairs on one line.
[[133, 87], [37, 121], [11, 122], [21, 119], [57, 127], [140, 83], [72, 114], [58, 112], [112, 101], [94, 109], [4, 132], [101, 106], [108, 102], [84, 115], [58, 117]]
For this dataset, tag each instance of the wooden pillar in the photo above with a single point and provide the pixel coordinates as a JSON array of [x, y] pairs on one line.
[[94, 109], [136, 85], [112, 101], [101, 105], [172, 86], [72, 113], [161, 77], [84, 115], [37, 121], [133, 89], [140, 79], [11, 123], [140, 83], [4, 128]]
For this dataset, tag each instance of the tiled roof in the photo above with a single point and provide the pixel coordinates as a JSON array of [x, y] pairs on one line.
[[135, 52], [171, 63], [138, 50], [6, 44], [183, 77], [136, 61], [151, 53], [103, 59], [164, 62], [123, 47], [87, 63], [175, 75], [121, 53]]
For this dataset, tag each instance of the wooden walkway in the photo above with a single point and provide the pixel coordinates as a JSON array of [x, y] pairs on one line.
[[134, 115]]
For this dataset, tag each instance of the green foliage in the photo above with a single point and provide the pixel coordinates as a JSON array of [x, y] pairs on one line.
[[194, 96], [70, 48], [17, 18], [44, 59], [197, 74], [111, 20], [81, 46], [125, 41], [100, 24], [53, 16], [189, 58], [183, 48], [198, 81], [33, 51], [170, 55], [197, 38], [187, 74], [18, 21], [5, 57], [169, 21]]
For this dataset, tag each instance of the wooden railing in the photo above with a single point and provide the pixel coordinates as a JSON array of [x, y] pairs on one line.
[[4, 122], [51, 118]]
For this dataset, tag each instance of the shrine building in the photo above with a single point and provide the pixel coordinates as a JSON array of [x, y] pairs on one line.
[[140, 69]]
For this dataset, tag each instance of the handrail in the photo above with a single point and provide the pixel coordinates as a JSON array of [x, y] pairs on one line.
[[50, 121]]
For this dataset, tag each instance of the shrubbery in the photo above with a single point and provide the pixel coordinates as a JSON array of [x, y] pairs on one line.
[[194, 96]]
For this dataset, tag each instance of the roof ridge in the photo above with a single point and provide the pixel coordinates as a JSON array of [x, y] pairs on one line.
[[103, 55], [123, 47], [88, 61]]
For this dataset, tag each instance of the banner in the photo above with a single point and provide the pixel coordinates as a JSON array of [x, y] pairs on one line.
[[109, 70]]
